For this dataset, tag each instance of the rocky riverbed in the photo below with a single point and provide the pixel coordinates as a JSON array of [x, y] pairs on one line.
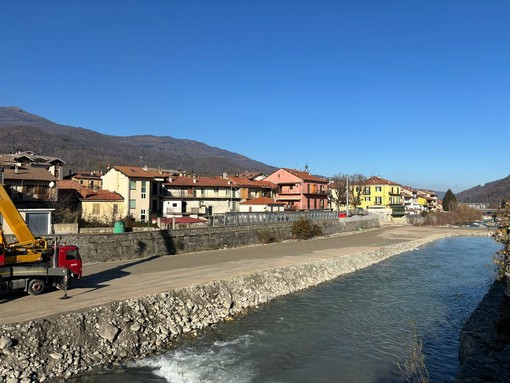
[[58, 347]]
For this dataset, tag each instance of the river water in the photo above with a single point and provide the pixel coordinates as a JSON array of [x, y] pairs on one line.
[[357, 328]]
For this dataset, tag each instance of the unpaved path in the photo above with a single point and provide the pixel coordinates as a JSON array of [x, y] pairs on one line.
[[106, 282]]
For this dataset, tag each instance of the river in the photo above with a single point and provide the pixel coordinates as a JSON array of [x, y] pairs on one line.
[[357, 328]]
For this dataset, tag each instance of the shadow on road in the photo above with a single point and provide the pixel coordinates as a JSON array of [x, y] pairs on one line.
[[98, 280], [10, 295]]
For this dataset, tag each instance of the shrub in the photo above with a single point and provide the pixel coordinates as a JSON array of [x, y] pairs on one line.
[[305, 229], [266, 236], [461, 214]]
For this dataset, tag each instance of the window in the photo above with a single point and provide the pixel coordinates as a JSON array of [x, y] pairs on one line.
[[115, 209], [96, 208], [367, 199], [132, 185], [132, 203], [144, 190], [143, 216], [378, 200], [72, 255], [378, 188], [367, 189]]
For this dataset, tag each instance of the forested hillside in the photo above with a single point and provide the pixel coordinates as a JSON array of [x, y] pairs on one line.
[[492, 192], [84, 149]]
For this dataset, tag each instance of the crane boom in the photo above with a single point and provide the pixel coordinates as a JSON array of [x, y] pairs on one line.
[[27, 248], [14, 219]]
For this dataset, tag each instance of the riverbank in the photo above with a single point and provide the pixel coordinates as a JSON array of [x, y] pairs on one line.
[[89, 338], [485, 341]]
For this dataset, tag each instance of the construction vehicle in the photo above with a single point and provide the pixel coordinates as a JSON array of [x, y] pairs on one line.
[[31, 263]]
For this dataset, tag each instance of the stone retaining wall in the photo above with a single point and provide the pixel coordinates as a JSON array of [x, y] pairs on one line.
[[64, 345], [110, 247]]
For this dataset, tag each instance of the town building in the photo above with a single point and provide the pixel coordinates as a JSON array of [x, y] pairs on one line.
[[32, 189], [379, 195], [300, 190], [141, 187], [91, 180], [98, 205], [28, 159], [412, 203], [250, 189], [199, 196], [429, 200]]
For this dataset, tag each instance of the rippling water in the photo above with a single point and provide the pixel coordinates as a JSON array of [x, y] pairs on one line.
[[356, 328]]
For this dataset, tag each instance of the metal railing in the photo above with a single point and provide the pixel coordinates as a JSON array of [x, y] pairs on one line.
[[260, 218]]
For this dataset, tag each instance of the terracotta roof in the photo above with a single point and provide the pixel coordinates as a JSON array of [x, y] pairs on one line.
[[100, 195], [245, 182], [199, 181], [68, 184], [30, 173], [305, 176], [250, 175], [90, 194], [86, 175], [140, 172], [262, 201], [376, 180]]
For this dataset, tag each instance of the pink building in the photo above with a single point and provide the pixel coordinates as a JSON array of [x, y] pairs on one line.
[[300, 190]]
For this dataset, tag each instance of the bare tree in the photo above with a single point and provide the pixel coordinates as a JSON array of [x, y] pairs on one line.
[[354, 184], [338, 189], [357, 189], [67, 208]]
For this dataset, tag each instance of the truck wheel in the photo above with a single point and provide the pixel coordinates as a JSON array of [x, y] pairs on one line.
[[36, 286]]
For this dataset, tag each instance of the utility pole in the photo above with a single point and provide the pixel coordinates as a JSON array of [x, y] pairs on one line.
[[347, 195]]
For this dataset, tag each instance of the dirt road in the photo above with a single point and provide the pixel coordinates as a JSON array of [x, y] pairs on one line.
[[106, 282]]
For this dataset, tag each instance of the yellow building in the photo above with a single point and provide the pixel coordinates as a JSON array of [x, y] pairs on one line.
[[377, 194]]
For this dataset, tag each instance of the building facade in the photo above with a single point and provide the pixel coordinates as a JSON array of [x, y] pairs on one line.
[[380, 194], [141, 188], [300, 190]]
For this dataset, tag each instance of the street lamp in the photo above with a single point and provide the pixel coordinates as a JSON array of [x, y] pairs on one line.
[[347, 196]]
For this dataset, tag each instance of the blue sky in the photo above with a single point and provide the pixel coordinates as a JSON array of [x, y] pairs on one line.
[[413, 91]]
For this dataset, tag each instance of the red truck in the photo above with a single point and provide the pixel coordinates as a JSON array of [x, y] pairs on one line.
[[30, 263]]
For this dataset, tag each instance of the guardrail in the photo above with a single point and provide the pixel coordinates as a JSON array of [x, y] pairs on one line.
[[259, 218]]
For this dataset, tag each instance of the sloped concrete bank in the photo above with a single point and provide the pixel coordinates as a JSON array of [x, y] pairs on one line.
[[58, 347]]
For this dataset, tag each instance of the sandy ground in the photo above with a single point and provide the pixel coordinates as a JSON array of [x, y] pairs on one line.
[[106, 282]]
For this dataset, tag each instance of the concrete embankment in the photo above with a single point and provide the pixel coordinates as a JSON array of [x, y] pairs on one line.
[[60, 346]]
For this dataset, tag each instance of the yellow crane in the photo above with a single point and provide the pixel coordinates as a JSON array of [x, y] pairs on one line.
[[27, 248]]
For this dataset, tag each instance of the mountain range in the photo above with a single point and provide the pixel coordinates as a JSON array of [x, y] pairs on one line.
[[87, 150]]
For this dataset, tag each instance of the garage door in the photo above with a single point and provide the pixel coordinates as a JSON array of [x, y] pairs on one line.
[[38, 223]]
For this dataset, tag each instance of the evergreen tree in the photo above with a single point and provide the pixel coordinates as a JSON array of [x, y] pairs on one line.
[[449, 201]]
